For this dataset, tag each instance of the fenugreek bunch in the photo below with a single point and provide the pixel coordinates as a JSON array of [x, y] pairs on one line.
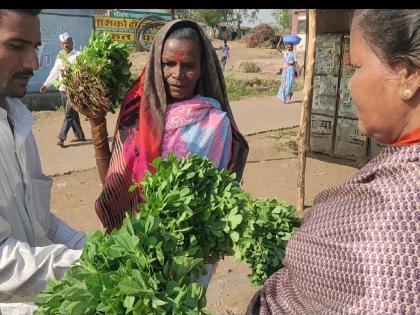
[[95, 84]]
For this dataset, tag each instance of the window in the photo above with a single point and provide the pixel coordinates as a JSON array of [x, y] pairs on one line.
[[302, 26]]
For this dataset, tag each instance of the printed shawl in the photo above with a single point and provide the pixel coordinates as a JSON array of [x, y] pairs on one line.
[[198, 126], [357, 251], [141, 124]]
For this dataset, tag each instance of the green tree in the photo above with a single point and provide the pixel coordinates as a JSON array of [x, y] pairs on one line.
[[283, 18], [212, 17], [238, 16], [190, 14]]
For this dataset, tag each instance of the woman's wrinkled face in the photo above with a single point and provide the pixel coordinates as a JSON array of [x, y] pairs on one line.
[[375, 89], [181, 65]]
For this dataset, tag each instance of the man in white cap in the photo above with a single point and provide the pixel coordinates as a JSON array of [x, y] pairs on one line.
[[71, 118], [35, 245]]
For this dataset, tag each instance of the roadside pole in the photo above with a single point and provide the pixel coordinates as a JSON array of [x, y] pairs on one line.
[[303, 135]]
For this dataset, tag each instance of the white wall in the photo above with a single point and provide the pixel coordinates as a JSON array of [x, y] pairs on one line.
[[300, 49]]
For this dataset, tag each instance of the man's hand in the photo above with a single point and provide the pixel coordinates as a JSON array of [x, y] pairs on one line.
[[43, 89]]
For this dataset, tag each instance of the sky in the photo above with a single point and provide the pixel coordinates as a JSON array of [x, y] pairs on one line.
[[264, 16]]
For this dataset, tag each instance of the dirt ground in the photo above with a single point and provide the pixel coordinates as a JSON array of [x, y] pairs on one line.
[[269, 60]]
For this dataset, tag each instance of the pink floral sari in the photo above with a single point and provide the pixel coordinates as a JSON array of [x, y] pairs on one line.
[[198, 126]]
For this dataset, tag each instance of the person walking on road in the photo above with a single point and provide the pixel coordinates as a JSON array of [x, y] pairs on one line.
[[290, 71], [225, 54], [71, 118]]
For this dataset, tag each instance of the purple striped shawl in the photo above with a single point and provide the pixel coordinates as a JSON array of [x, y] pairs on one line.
[[358, 249]]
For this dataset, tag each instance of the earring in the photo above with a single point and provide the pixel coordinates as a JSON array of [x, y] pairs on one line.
[[406, 94]]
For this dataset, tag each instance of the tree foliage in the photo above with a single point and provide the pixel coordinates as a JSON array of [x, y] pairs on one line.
[[189, 14], [283, 18], [238, 16], [243, 15], [212, 17]]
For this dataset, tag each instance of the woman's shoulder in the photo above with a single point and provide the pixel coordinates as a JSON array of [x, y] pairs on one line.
[[212, 101]]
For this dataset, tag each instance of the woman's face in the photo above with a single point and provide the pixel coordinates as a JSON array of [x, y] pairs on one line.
[[289, 47], [181, 64], [375, 89]]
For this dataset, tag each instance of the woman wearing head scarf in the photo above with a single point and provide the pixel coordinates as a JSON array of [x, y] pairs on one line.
[[358, 249], [179, 103]]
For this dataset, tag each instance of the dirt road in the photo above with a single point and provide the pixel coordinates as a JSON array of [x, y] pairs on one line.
[[252, 115], [270, 60]]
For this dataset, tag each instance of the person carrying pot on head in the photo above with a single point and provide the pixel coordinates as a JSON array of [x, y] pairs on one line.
[[290, 71]]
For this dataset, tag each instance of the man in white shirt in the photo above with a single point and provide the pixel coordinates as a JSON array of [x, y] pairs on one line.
[[71, 118], [35, 246]]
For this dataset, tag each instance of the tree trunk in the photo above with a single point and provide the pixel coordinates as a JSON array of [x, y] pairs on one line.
[[239, 28]]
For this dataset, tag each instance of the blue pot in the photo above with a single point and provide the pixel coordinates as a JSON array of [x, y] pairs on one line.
[[291, 39]]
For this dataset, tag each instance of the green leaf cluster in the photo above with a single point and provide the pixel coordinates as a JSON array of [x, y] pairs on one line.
[[195, 214], [125, 273], [152, 263], [105, 59], [269, 225], [199, 203]]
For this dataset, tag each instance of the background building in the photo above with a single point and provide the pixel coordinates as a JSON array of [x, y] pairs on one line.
[[79, 23], [299, 28]]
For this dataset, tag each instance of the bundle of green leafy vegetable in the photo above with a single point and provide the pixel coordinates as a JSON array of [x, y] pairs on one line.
[[146, 266], [100, 76], [198, 202], [195, 214], [269, 225]]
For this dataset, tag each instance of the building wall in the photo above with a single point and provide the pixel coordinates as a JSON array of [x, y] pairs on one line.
[[101, 12], [79, 24], [295, 16], [300, 26], [333, 116], [73, 12]]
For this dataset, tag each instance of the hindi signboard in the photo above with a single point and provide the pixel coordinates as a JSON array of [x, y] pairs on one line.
[[124, 29]]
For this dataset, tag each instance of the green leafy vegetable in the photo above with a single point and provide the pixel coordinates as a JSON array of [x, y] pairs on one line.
[[195, 214], [270, 224], [100, 76]]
